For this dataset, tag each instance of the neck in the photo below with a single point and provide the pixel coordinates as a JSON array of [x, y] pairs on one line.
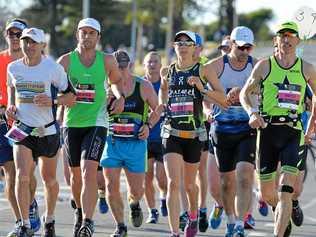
[[236, 62], [153, 77], [285, 60], [86, 53], [184, 63], [15, 53], [32, 61]]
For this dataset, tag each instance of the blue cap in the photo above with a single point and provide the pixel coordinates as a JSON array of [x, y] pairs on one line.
[[199, 39]]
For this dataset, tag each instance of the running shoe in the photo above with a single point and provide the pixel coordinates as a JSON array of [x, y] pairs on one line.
[[78, 222], [239, 231], [249, 221], [153, 217], [191, 228], [15, 231], [203, 223], [215, 217], [183, 220], [103, 206], [49, 229], [297, 215], [263, 208], [229, 230], [175, 235], [163, 207], [25, 231], [87, 229], [120, 231], [136, 214], [35, 219], [288, 230]]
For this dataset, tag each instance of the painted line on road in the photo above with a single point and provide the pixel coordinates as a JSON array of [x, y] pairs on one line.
[[257, 233]]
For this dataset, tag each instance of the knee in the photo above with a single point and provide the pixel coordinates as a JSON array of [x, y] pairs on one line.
[[245, 183], [189, 188], [137, 191], [227, 184], [22, 177], [285, 192], [75, 179], [112, 189], [89, 175], [173, 185]]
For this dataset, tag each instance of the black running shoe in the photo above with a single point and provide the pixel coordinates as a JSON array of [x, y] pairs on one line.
[[288, 230], [78, 222], [120, 231], [203, 223], [25, 232], [87, 229], [136, 215], [297, 215], [49, 229]]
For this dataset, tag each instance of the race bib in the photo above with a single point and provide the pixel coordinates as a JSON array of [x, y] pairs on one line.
[[289, 96], [85, 93], [123, 127], [18, 132], [181, 106]]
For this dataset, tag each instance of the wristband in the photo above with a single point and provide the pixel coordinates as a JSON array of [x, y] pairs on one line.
[[149, 125], [55, 102], [252, 111]]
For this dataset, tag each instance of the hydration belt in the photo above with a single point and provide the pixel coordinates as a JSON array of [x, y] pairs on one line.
[[199, 132], [290, 120]]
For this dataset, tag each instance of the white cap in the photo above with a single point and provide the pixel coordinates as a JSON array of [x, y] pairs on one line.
[[15, 24], [35, 34], [242, 35], [226, 42], [90, 22], [189, 34]]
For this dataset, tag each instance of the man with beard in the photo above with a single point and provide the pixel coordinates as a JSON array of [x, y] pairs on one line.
[[85, 124], [233, 139]]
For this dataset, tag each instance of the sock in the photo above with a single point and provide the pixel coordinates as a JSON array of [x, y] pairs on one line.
[[87, 220], [239, 223], [175, 233], [193, 215], [27, 223], [203, 210], [295, 203], [49, 219], [230, 219], [101, 193]]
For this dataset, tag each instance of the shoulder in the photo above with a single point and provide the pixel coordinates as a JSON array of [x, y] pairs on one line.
[[4, 53], [215, 64], [109, 59], [64, 60], [14, 64]]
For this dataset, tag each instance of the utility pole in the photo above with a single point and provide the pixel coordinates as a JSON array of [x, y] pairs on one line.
[[85, 8], [169, 29], [134, 29]]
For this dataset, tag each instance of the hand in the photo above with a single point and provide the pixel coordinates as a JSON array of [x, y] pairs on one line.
[[233, 95], [195, 81], [117, 106], [68, 99], [10, 113], [143, 132], [42, 100], [256, 121], [308, 138]]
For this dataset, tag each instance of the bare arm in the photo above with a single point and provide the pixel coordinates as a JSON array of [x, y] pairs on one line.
[[163, 91], [11, 109], [115, 77]]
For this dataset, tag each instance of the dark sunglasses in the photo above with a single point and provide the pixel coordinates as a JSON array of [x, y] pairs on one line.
[[14, 34], [184, 43], [245, 47]]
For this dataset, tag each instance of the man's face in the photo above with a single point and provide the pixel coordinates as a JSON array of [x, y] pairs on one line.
[[30, 48], [13, 38], [241, 52], [152, 64], [88, 37], [184, 46], [287, 41]]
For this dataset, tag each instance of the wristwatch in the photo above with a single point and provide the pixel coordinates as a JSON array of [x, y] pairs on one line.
[[149, 125], [204, 91]]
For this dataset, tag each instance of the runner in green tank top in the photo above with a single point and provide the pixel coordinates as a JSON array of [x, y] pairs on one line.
[[91, 72], [280, 82]]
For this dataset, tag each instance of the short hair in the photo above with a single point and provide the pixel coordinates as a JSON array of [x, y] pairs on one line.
[[152, 53]]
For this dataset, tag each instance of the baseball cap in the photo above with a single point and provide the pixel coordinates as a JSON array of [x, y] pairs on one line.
[[288, 26], [225, 43], [242, 35], [199, 39], [191, 35], [90, 22], [15, 24], [122, 58], [35, 34]]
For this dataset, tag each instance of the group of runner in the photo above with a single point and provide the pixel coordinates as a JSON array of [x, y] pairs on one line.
[[192, 124]]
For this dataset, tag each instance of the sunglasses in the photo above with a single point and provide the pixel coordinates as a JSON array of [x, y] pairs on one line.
[[287, 34], [245, 47], [184, 43], [14, 34]]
